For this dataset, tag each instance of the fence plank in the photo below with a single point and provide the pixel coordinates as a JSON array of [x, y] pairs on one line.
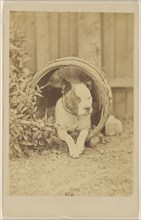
[[30, 39], [130, 104], [73, 47], [130, 43], [113, 110], [42, 40], [19, 18], [89, 37], [12, 17], [54, 32], [108, 44], [63, 34], [120, 103], [108, 50], [126, 82], [53, 35], [120, 100], [121, 62]]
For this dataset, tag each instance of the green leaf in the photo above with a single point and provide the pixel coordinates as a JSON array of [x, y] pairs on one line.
[[49, 141], [21, 128], [16, 130], [11, 126], [24, 109], [38, 89], [38, 94], [19, 106], [35, 109], [13, 47], [49, 129], [25, 137], [24, 122], [19, 116], [26, 143], [12, 84], [17, 147], [36, 134]]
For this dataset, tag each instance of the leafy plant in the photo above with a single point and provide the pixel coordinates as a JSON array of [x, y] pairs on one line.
[[26, 132]]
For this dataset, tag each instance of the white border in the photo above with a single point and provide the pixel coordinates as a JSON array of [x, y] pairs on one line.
[[1, 107], [42, 205]]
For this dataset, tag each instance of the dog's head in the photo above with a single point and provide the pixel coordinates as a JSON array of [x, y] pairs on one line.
[[77, 97]]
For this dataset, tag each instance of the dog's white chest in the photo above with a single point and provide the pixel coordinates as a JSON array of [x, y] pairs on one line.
[[68, 121], [73, 111]]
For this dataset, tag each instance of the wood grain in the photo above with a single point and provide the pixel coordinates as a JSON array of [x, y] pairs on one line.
[[104, 39], [42, 40], [72, 35], [89, 35], [54, 32], [30, 31], [108, 44], [63, 32]]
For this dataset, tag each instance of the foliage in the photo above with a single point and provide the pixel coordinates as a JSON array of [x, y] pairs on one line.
[[26, 132]]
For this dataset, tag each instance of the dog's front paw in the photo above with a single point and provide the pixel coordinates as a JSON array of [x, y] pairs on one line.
[[74, 153], [75, 156], [80, 148]]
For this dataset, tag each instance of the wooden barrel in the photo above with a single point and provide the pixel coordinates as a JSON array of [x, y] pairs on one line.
[[97, 76]]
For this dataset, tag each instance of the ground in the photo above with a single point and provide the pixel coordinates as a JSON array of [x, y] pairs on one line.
[[103, 170]]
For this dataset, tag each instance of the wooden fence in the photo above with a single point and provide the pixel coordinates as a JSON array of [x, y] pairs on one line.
[[104, 39]]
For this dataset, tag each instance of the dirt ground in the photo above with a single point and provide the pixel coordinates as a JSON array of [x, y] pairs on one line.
[[103, 170]]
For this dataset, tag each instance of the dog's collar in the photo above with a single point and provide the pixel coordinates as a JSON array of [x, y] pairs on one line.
[[63, 104]]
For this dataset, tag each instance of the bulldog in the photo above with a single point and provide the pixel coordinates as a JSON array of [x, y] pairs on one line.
[[73, 112]]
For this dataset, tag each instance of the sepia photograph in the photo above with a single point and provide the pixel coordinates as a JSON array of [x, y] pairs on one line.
[[71, 103]]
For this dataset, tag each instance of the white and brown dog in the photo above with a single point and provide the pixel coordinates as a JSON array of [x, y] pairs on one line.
[[73, 112]]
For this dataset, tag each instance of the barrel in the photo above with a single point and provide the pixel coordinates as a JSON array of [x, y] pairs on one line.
[[99, 79]]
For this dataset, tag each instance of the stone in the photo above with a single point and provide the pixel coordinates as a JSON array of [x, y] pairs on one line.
[[94, 141], [113, 126]]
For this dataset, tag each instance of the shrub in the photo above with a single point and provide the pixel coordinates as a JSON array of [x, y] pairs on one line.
[[26, 132]]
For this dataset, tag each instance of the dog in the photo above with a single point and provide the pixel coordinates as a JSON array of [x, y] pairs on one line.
[[73, 112]]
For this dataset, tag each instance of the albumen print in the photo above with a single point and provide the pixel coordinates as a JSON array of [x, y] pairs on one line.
[[70, 110], [56, 108]]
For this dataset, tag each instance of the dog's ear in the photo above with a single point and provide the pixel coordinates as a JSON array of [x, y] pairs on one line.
[[89, 84], [66, 86]]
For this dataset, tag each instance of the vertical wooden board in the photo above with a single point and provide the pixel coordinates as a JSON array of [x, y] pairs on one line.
[[113, 102], [130, 104], [19, 19], [130, 44], [89, 37], [120, 104], [72, 35], [130, 66], [12, 17], [108, 43], [121, 61], [30, 39], [63, 34], [54, 32], [42, 40]]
